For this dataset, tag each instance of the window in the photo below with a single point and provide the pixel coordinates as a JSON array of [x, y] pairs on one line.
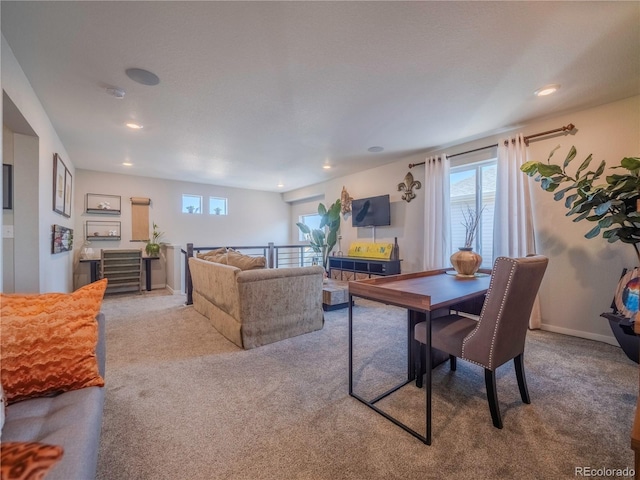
[[473, 186], [217, 206], [191, 203], [312, 221]]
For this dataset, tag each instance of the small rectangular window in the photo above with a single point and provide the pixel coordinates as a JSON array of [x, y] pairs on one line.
[[191, 203], [217, 206]]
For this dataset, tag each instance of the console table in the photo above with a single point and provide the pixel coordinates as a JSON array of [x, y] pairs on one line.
[[358, 268]]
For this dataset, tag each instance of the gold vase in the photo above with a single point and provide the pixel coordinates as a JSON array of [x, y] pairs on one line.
[[466, 262]]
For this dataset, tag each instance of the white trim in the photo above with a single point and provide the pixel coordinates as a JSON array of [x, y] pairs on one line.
[[611, 340]]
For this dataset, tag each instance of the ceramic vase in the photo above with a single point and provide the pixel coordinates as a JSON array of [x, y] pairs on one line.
[[466, 262]]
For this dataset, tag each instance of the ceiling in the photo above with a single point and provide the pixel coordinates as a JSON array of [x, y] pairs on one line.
[[256, 94]]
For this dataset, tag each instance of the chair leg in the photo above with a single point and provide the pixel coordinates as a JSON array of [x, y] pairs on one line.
[[492, 397], [522, 380], [422, 361], [453, 362]]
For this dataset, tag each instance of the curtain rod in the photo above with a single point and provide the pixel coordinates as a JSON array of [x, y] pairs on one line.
[[566, 128]]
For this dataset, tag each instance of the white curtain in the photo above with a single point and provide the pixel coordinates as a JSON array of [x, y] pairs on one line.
[[513, 220], [437, 234]]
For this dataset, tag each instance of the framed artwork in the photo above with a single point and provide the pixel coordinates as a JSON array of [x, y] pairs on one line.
[[61, 239], [59, 174], [68, 183], [7, 186]]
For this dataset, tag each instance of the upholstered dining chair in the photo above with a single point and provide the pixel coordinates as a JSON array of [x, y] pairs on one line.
[[499, 334]]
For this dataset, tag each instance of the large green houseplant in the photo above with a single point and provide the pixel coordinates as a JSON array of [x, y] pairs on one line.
[[323, 239], [611, 205]]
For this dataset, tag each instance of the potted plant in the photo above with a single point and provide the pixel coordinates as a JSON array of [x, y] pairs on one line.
[[153, 247], [465, 261], [612, 206], [323, 239]]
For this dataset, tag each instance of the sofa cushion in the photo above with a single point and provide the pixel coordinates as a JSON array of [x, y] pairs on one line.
[[245, 262], [218, 255], [71, 420], [27, 460], [48, 342]]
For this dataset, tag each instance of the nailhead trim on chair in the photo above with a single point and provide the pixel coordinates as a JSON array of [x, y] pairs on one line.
[[499, 318]]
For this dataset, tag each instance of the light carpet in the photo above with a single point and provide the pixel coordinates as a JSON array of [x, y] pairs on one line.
[[184, 403]]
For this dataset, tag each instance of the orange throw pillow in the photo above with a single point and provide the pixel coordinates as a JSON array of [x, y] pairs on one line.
[[27, 460], [48, 342]]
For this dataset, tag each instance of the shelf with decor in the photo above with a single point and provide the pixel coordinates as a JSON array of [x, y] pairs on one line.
[[101, 204], [101, 230]]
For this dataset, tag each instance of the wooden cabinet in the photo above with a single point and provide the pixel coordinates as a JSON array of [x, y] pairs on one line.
[[356, 268], [123, 269]]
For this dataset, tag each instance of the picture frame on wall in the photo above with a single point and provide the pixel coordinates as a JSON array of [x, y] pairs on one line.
[[68, 183], [59, 174], [60, 191], [7, 186], [61, 239]]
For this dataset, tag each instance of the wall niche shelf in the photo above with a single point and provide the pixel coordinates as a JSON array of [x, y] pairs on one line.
[[97, 230], [96, 203]]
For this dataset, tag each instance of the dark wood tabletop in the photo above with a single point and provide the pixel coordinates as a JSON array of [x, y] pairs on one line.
[[421, 291]]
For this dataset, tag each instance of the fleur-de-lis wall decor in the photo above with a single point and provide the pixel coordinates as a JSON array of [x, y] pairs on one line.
[[407, 187]]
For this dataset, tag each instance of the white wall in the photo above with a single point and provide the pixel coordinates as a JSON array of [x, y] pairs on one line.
[[55, 272], [255, 217], [582, 274], [407, 219]]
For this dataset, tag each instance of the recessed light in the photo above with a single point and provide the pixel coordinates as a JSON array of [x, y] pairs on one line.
[[326, 167], [127, 164], [547, 90], [375, 149], [280, 185], [134, 126], [142, 76]]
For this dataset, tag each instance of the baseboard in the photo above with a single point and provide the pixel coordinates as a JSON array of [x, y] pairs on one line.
[[611, 340], [174, 292]]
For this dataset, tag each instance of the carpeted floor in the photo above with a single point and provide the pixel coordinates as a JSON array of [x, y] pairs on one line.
[[184, 403]]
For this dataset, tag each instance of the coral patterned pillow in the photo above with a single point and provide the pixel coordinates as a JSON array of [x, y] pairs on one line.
[[27, 460], [48, 342]]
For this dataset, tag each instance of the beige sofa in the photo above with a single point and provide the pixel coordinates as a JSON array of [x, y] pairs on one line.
[[256, 307]]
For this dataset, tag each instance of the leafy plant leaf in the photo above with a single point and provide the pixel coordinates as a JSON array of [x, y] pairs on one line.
[[303, 228], [593, 232], [570, 156], [631, 163], [548, 170], [584, 165], [602, 208]]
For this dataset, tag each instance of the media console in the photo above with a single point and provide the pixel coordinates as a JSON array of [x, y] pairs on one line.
[[357, 268]]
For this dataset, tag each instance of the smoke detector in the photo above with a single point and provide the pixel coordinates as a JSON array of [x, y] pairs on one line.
[[115, 92]]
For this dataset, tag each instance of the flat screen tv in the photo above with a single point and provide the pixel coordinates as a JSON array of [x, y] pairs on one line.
[[371, 212]]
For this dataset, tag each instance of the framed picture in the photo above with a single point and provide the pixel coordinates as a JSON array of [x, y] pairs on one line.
[[61, 239], [68, 183], [59, 174], [7, 186]]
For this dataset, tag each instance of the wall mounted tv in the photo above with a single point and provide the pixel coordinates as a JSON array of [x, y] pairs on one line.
[[371, 212]]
